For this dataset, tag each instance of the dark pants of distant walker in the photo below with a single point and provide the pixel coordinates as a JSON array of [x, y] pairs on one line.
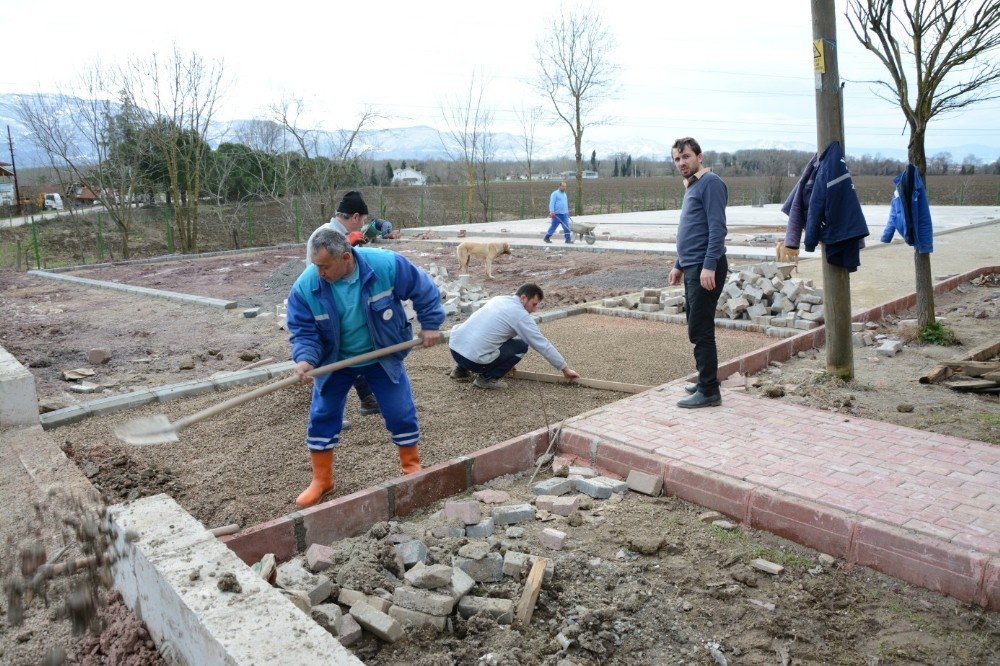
[[701, 323], [511, 353], [560, 220]]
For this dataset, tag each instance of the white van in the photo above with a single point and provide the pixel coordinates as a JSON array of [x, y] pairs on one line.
[[53, 201]]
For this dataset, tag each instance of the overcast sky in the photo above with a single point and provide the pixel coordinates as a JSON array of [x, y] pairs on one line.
[[723, 71]]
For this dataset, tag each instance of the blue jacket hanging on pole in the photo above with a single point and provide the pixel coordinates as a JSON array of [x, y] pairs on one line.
[[909, 213], [834, 217]]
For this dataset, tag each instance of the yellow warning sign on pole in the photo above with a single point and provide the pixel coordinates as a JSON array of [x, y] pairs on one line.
[[819, 62]]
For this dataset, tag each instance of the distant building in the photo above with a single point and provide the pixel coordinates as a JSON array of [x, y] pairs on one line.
[[408, 176], [571, 175]]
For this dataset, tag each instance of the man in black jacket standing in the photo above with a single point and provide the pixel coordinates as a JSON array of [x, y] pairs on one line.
[[701, 262]]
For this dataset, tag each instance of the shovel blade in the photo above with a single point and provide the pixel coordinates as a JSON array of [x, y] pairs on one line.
[[144, 432]]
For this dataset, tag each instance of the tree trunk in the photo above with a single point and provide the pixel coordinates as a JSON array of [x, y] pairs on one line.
[[921, 261], [925, 289]]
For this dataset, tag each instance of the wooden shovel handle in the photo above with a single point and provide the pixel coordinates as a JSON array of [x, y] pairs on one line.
[[289, 381]]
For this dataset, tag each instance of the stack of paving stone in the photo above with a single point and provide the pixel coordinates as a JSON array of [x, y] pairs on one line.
[[457, 295], [652, 300], [430, 593], [765, 295]]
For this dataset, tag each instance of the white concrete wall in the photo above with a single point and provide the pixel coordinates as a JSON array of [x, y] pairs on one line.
[[18, 402], [170, 577]]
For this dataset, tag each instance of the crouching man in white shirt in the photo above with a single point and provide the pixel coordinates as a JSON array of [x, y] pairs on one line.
[[496, 337]]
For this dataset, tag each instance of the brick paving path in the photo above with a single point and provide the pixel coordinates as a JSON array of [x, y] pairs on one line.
[[934, 490]]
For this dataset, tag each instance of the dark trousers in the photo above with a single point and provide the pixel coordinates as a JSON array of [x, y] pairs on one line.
[[511, 353], [361, 386], [701, 323]]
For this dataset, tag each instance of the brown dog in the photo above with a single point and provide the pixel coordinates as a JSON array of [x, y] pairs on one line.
[[787, 254], [486, 251]]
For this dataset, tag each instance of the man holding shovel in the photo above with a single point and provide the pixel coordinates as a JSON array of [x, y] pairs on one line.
[[346, 303], [348, 219]]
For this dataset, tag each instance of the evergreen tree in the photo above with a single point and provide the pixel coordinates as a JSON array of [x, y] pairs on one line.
[[627, 171], [614, 174], [593, 160], [388, 172]]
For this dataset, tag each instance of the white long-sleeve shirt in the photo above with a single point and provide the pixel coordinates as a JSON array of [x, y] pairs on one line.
[[334, 224], [502, 318]]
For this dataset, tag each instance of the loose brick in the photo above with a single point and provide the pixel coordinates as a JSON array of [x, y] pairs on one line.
[[501, 610], [554, 486], [647, 484], [467, 512], [319, 557], [545, 502], [482, 529], [489, 569], [349, 597], [428, 577], [425, 601], [329, 616], [377, 622], [517, 564], [598, 487], [491, 496], [350, 631], [378, 603], [462, 583], [411, 552], [553, 539], [583, 472], [563, 506], [411, 618], [513, 513]]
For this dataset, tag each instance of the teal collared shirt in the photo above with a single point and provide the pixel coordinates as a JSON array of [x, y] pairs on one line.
[[355, 338]]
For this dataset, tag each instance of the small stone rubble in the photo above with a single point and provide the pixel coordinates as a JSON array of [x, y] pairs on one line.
[[461, 563]]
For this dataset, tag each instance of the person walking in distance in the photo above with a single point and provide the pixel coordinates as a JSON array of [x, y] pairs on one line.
[[701, 264], [559, 213], [348, 302]]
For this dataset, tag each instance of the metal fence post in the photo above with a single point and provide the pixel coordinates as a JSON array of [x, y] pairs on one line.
[[34, 240], [298, 224], [249, 224], [100, 240], [170, 231]]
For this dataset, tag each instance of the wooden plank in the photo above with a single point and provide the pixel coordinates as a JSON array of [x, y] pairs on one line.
[[970, 385], [974, 368], [936, 375], [992, 376], [532, 586], [602, 384], [984, 353]]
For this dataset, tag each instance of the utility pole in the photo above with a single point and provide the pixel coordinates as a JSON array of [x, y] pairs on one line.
[[13, 169], [830, 127]]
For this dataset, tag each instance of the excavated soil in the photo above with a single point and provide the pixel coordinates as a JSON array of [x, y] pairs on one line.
[[247, 465]]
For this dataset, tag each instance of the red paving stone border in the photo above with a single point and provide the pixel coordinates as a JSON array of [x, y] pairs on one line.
[[919, 506]]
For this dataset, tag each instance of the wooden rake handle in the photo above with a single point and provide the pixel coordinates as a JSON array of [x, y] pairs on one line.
[[289, 381]]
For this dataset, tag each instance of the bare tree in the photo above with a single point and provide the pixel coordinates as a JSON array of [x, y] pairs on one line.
[[94, 140], [467, 138], [938, 54], [528, 117], [576, 73], [177, 96]]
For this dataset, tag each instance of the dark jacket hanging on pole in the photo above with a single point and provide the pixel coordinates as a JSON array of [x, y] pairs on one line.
[[834, 217]]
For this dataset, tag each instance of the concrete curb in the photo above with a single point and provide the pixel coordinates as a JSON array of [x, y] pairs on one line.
[[140, 291], [125, 401], [173, 257]]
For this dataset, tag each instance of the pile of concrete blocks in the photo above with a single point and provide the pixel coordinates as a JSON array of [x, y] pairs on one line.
[[765, 295], [669, 301], [457, 295]]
